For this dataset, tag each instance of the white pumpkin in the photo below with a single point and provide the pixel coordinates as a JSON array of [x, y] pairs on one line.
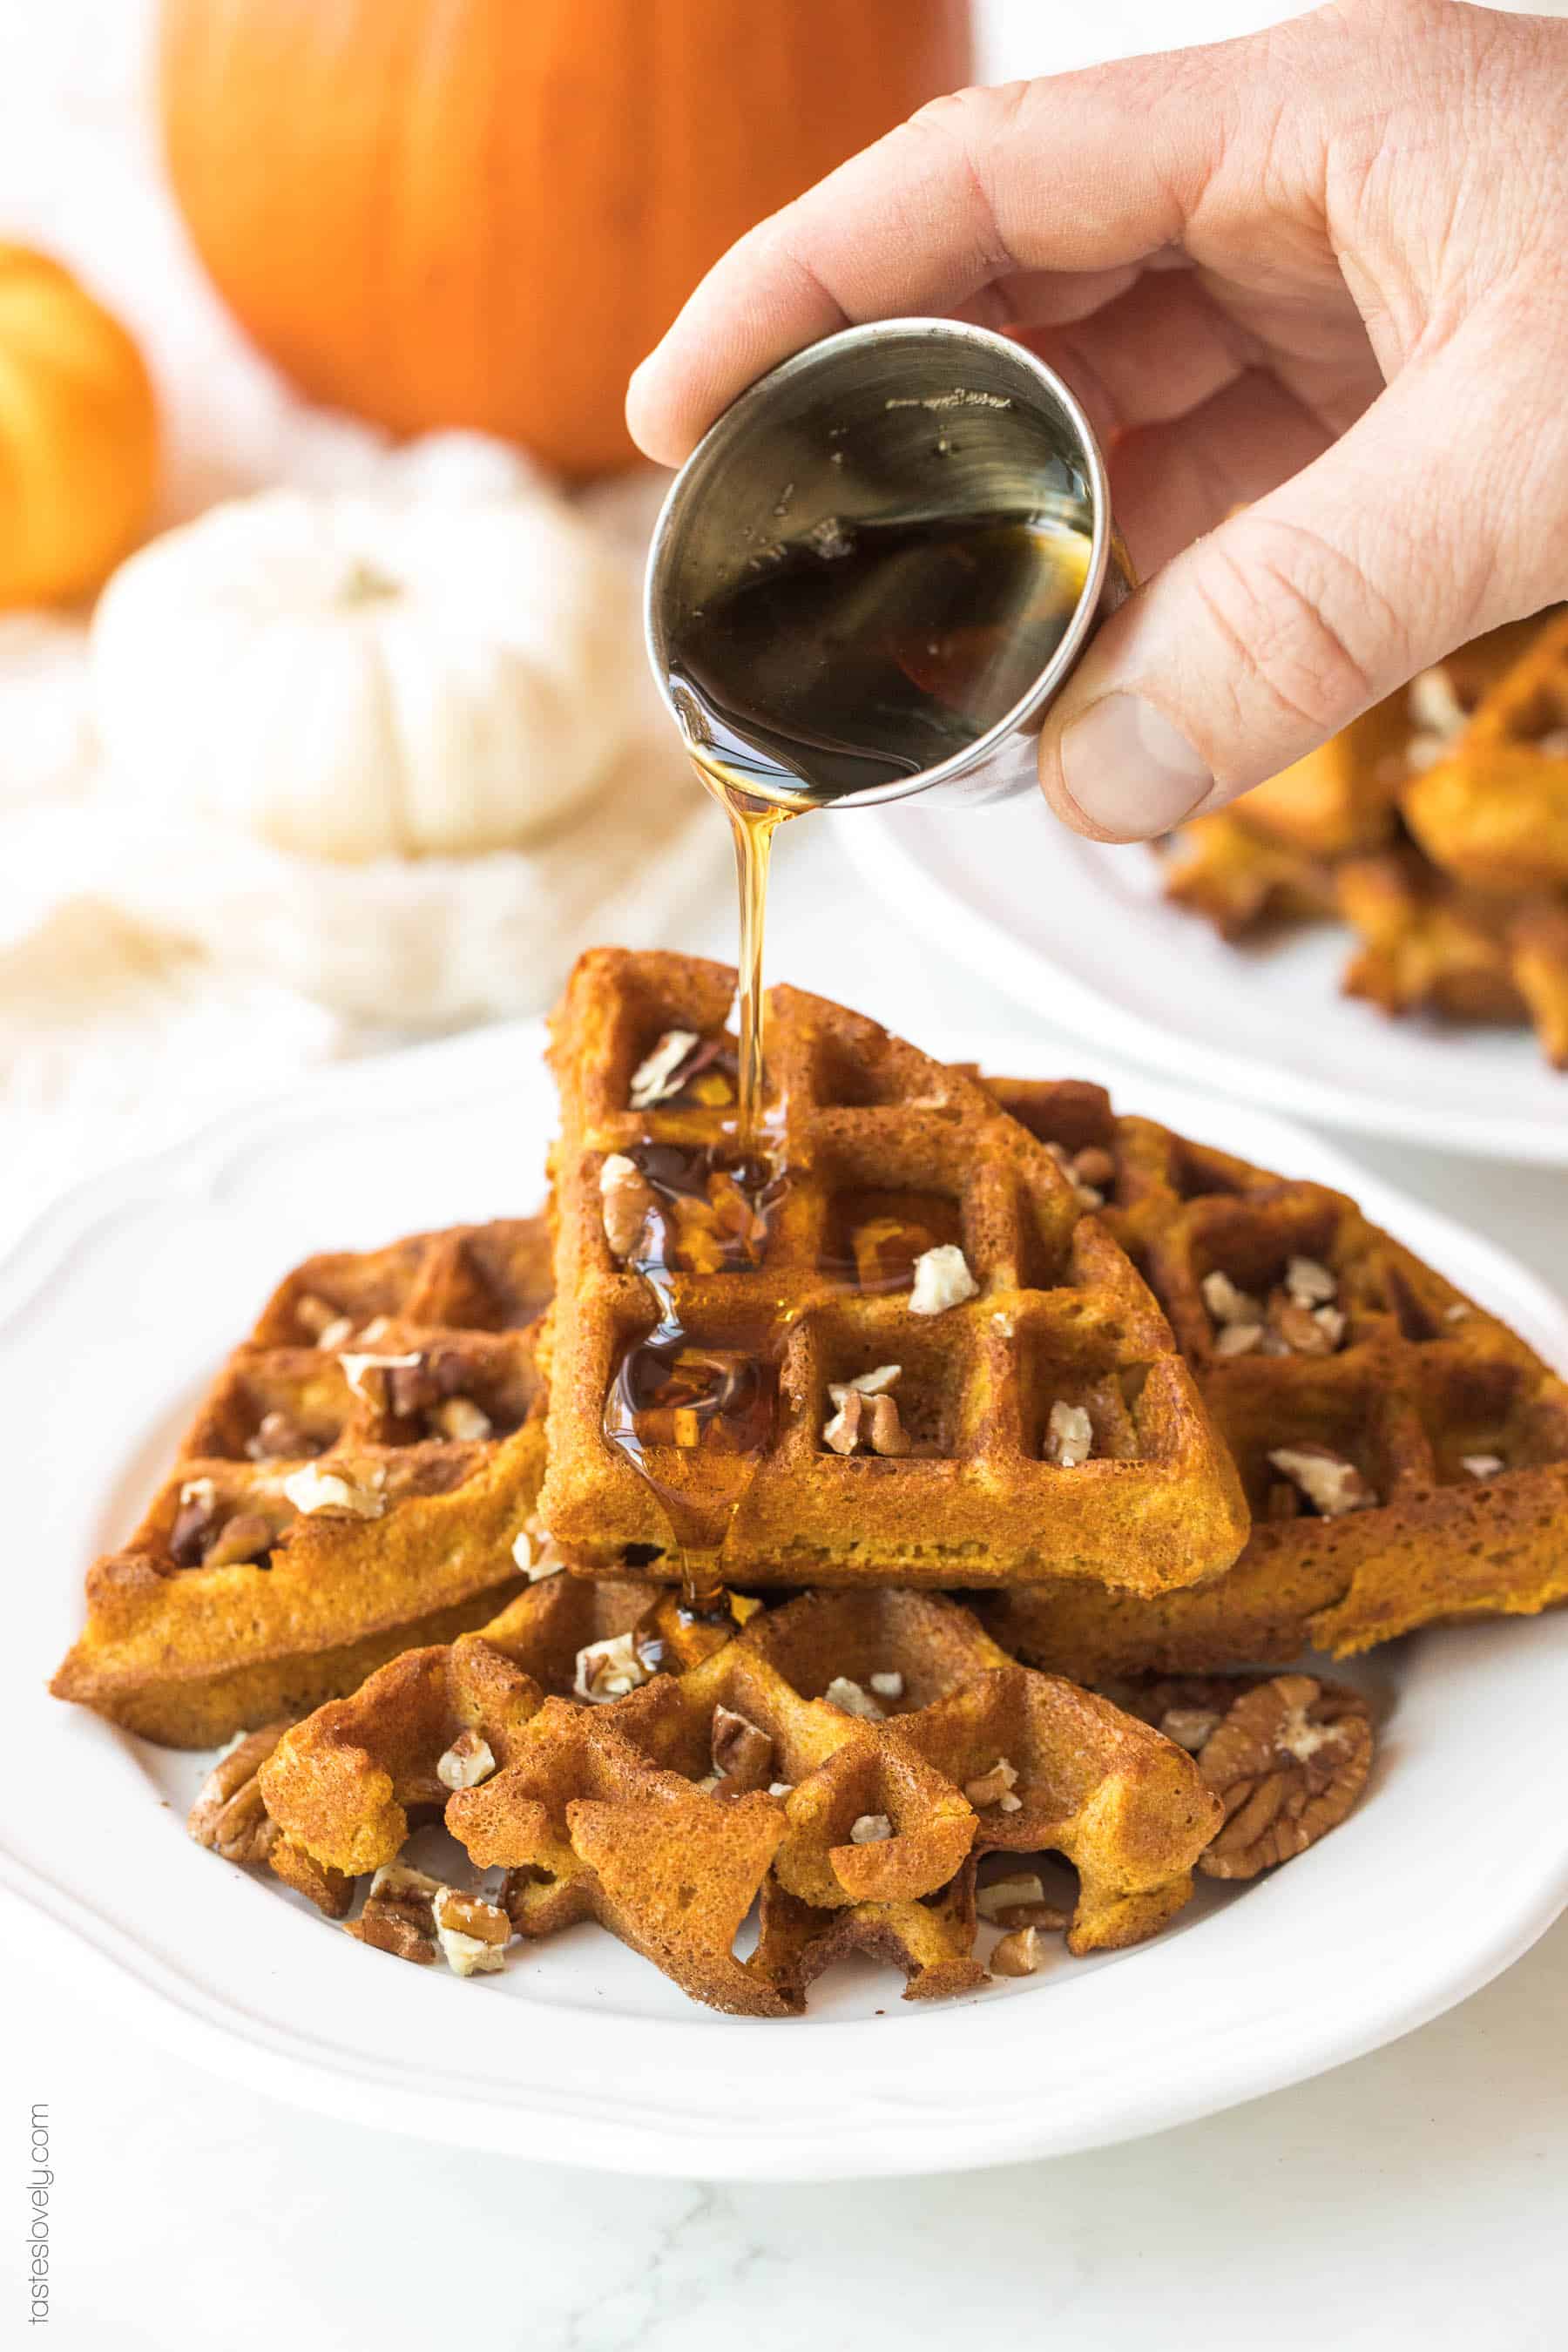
[[352, 675]]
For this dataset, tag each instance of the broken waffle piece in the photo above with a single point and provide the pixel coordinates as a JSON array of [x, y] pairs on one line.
[[311, 1526], [609, 1811]]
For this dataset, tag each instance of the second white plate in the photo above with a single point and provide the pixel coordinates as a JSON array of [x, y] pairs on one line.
[[1081, 933]]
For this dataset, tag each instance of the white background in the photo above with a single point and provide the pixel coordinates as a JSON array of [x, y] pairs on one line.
[[1413, 2198]]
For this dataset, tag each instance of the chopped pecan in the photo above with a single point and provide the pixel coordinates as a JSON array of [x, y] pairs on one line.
[[851, 1699], [865, 1413], [369, 1376], [1227, 1302], [1090, 1172], [742, 1753], [278, 1439], [228, 1816], [246, 1537], [195, 1520], [1069, 1435], [315, 1315], [315, 1489], [1331, 1484], [1434, 706], [468, 1761], [399, 1915], [942, 1279], [1299, 1327], [608, 1670], [1287, 1762], [995, 1787], [1309, 1282], [473, 1935], [625, 1197], [1017, 1954], [662, 1071], [460, 1419]]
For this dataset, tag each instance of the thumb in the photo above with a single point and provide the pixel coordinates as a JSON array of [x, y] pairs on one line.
[[1265, 638]]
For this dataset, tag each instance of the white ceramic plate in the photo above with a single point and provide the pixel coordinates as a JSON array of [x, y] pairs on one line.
[[1080, 934], [114, 1313]]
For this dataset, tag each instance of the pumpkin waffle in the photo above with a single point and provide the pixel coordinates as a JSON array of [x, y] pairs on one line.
[[355, 1480], [848, 1757], [1493, 810], [765, 1370], [1435, 825], [1404, 1454], [1430, 944]]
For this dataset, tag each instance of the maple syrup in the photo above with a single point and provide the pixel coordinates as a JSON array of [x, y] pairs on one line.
[[851, 658], [710, 1211]]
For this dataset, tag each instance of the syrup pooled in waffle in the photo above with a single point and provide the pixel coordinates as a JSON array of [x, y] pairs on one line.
[[1404, 1454], [847, 1759], [1023, 1408], [355, 1480]]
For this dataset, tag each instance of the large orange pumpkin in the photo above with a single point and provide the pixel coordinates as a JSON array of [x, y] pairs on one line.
[[484, 212], [79, 435]]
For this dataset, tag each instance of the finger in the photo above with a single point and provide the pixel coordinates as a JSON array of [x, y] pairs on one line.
[[972, 190], [1421, 526], [1170, 483], [1105, 357]]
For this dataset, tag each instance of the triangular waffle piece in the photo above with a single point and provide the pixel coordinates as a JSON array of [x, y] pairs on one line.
[[354, 1481], [1243, 883], [664, 1811], [1405, 1455], [1432, 945], [1493, 812], [1036, 1417]]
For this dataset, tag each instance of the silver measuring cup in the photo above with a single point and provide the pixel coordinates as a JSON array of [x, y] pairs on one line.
[[905, 419]]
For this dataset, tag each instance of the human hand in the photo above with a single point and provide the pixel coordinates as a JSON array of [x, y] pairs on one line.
[[1320, 274]]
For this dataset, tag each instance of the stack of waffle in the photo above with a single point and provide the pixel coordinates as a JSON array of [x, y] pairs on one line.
[[1436, 826], [1163, 1418]]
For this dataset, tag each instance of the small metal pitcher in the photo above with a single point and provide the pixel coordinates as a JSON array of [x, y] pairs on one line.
[[908, 418]]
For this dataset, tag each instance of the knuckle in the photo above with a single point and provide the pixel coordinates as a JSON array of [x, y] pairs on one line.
[[1299, 615]]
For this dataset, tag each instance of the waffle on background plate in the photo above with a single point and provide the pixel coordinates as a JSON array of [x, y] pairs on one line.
[[863, 1763], [1436, 826]]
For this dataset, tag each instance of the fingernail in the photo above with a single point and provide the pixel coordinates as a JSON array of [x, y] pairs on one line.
[[1129, 771]]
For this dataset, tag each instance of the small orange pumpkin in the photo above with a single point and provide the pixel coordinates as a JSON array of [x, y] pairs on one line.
[[79, 434], [484, 212]]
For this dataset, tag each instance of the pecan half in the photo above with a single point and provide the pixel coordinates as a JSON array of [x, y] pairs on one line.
[[1287, 1763], [742, 1753], [228, 1816]]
